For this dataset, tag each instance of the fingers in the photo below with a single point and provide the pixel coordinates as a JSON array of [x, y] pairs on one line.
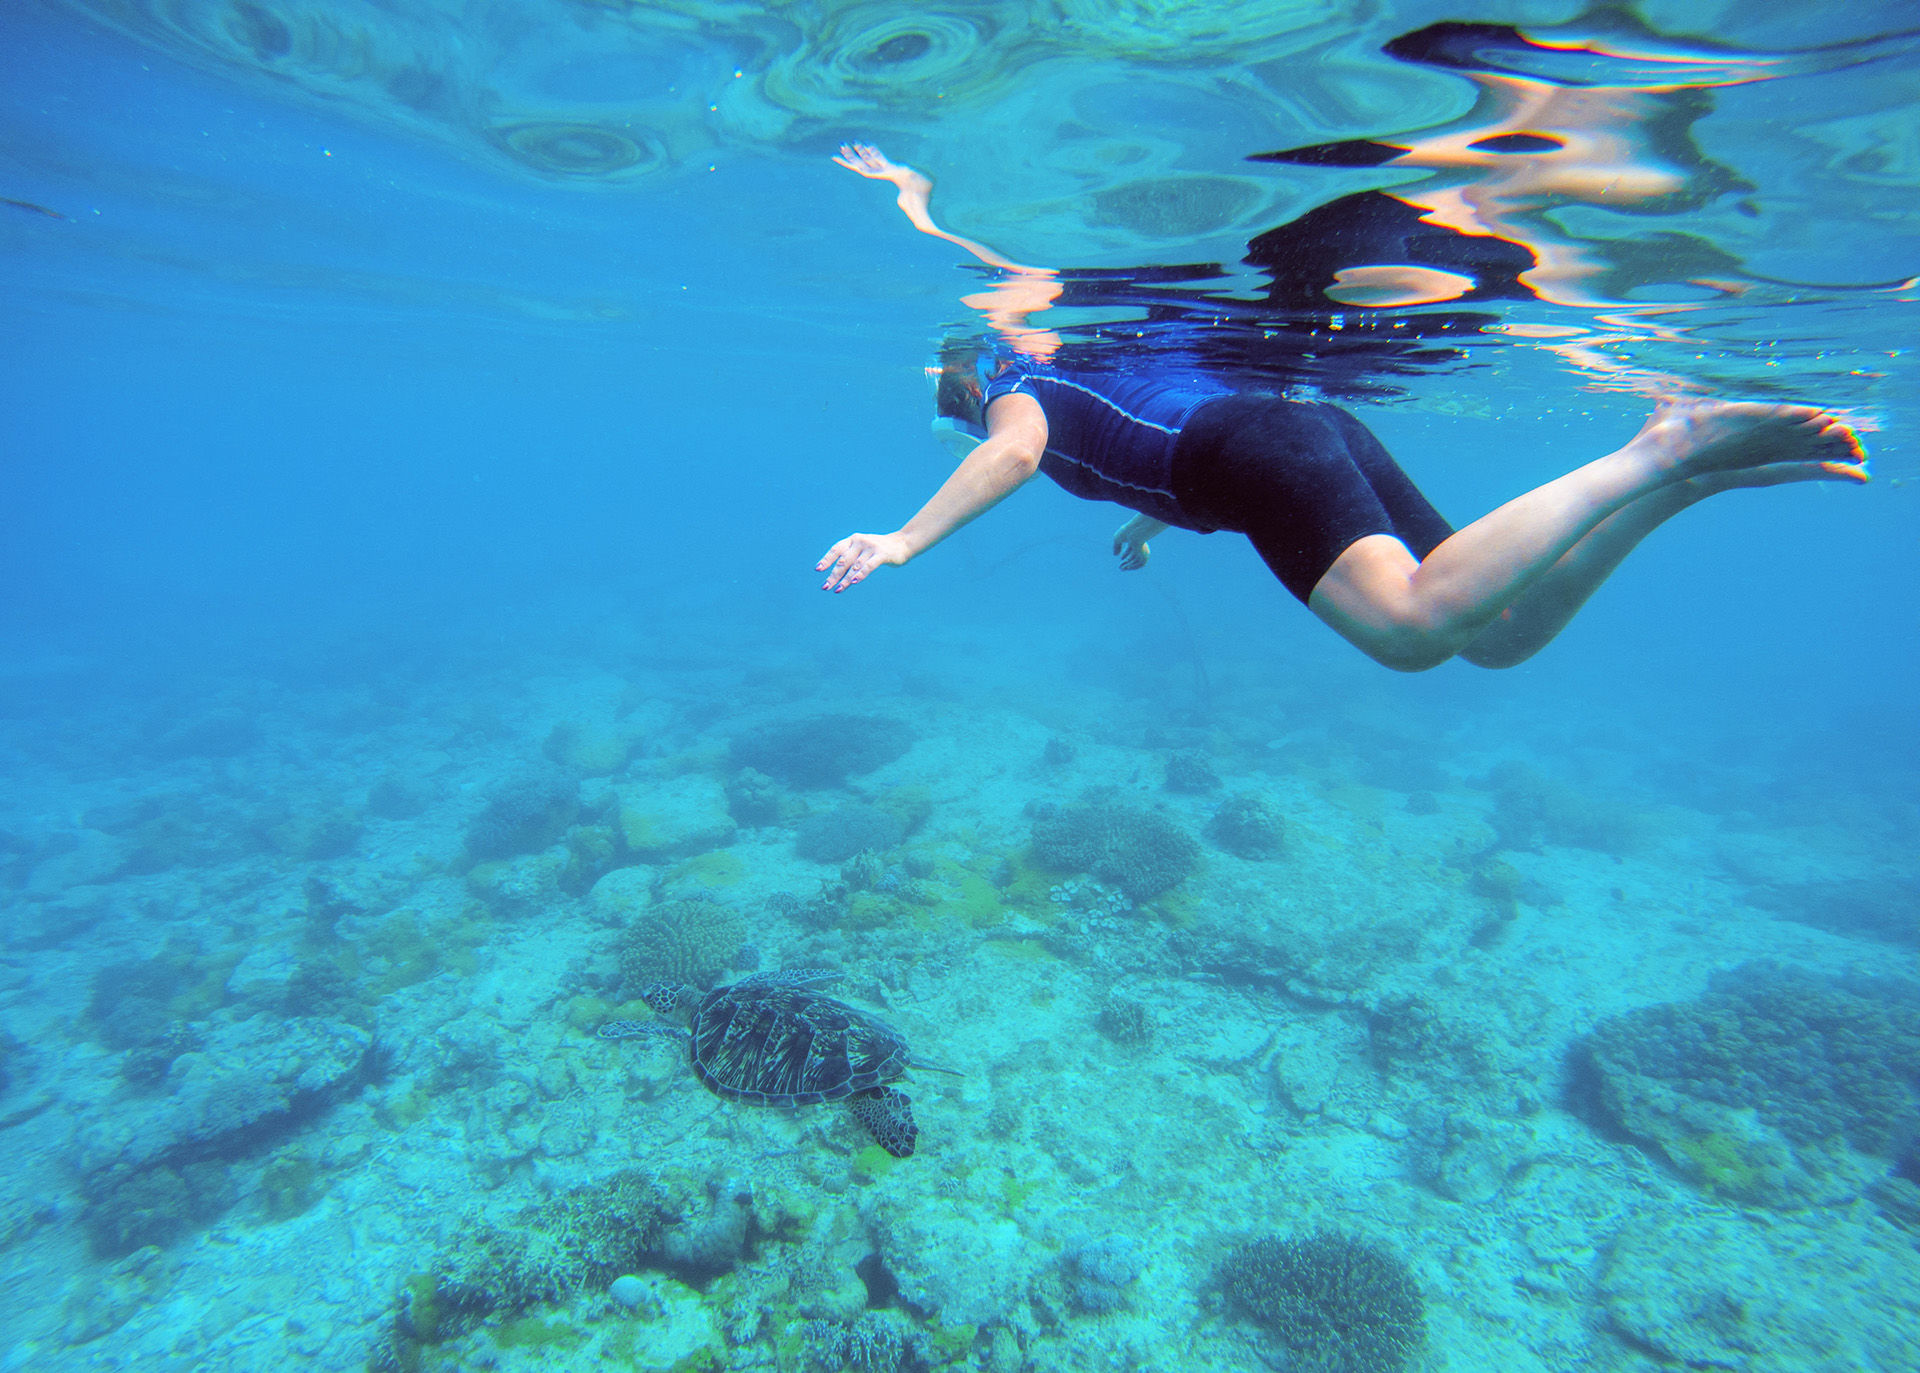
[[863, 158], [850, 561]]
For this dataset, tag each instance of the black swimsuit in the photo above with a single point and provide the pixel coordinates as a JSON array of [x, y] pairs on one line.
[[1303, 482]]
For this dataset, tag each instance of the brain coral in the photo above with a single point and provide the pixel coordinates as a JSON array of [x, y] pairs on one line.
[[1139, 852], [1335, 1303], [681, 941]]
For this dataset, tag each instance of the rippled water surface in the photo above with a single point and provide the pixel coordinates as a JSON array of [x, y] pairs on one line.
[[1722, 196]]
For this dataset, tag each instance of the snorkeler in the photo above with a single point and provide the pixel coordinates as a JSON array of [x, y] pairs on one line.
[[1331, 513]]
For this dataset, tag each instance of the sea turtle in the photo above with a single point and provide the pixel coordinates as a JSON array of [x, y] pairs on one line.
[[771, 1040]]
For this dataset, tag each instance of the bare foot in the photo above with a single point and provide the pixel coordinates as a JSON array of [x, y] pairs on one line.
[[1776, 474], [1694, 438]]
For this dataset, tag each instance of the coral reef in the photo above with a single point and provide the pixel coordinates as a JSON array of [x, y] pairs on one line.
[[863, 872], [1099, 1272], [219, 733], [674, 818], [1189, 770], [578, 1241], [1764, 1087], [592, 852], [833, 836], [710, 1235], [1706, 1289], [1334, 1303], [524, 816], [398, 797], [681, 941], [328, 832], [1248, 826], [1463, 1155], [878, 1342], [591, 748], [128, 1207], [755, 799], [1531, 810], [1137, 851], [1887, 909], [822, 750], [137, 1003], [147, 1063], [246, 1083], [1125, 1021]]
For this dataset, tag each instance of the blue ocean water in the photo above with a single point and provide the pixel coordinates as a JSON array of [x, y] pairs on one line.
[[421, 425]]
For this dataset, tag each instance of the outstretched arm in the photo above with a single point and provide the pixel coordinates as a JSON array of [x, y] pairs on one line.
[[1005, 303], [916, 193], [1016, 437]]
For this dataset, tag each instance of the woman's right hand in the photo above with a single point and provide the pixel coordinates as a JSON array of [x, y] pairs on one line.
[[858, 554]]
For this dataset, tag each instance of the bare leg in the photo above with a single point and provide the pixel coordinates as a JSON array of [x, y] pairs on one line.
[[1415, 615], [1533, 621]]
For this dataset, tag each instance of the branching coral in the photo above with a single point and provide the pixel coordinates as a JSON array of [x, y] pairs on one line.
[[1137, 851], [1337, 1304], [879, 1342], [577, 1241]]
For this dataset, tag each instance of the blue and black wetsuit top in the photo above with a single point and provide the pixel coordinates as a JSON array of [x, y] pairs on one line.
[[1110, 436], [1304, 481]]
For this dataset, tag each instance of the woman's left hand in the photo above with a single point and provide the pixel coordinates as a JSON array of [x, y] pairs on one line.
[[858, 554]]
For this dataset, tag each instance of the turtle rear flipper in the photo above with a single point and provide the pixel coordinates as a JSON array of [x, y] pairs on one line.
[[887, 1114]]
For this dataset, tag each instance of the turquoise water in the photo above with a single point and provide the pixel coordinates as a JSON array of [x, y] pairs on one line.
[[421, 424]]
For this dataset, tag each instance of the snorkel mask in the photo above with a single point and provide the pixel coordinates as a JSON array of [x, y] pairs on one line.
[[957, 438], [958, 384]]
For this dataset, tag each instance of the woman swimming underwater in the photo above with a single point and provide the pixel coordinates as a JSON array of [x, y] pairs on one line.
[[1332, 514]]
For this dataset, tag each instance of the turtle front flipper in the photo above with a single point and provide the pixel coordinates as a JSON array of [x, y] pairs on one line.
[[887, 1114]]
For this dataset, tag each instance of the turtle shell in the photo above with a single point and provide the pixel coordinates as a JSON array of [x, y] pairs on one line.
[[778, 1045]]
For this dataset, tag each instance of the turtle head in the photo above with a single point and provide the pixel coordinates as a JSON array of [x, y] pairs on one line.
[[664, 998]]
